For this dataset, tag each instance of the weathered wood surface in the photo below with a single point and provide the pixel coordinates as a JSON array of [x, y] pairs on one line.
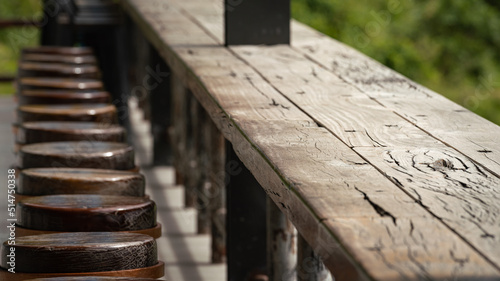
[[444, 120], [85, 212], [82, 252], [51, 181], [377, 194]]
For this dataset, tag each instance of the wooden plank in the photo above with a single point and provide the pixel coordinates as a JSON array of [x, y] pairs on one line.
[[318, 181], [390, 132], [216, 175], [454, 189], [428, 110], [179, 133]]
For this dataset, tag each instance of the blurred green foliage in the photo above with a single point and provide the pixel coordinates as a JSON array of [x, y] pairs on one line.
[[12, 39], [450, 46]]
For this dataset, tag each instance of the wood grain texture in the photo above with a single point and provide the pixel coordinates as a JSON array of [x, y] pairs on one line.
[[360, 221], [51, 96], [83, 212], [51, 181], [102, 113], [82, 252], [77, 154], [444, 181], [46, 131], [452, 124], [59, 83]]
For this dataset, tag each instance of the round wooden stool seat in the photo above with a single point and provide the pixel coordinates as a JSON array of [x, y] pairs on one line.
[[77, 154], [46, 69], [59, 83], [51, 181], [69, 59], [52, 131], [81, 252], [41, 96], [61, 50], [150, 272], [92, 278], [85, 212], [103, 113]]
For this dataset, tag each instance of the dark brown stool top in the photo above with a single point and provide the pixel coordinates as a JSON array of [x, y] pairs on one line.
[[102, 113], [48, 69], [92, 278], [61, 50], [69, 59], [51, 181], [85, 212], [52, 96], [82, 252], [59, 83], [52, 131], [77, 154]]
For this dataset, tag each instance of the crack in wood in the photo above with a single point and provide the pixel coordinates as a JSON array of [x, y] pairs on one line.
[[373, 140], [381, 211]]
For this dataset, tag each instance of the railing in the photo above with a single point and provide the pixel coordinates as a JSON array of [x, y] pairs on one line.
[[383, 178]]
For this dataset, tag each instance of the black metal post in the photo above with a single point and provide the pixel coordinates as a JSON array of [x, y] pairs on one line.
[[158, 82], [254, 22], [246, 221]]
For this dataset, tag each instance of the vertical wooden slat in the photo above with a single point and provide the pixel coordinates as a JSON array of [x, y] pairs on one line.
[[217, 192], [179, 121], [204, 198], [282, 248], [310, 267], [190, 167]]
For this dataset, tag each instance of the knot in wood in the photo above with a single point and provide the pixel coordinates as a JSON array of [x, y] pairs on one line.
[[442, 164]]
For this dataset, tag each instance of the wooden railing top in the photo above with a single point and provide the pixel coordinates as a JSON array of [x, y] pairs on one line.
[[385, 179]]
